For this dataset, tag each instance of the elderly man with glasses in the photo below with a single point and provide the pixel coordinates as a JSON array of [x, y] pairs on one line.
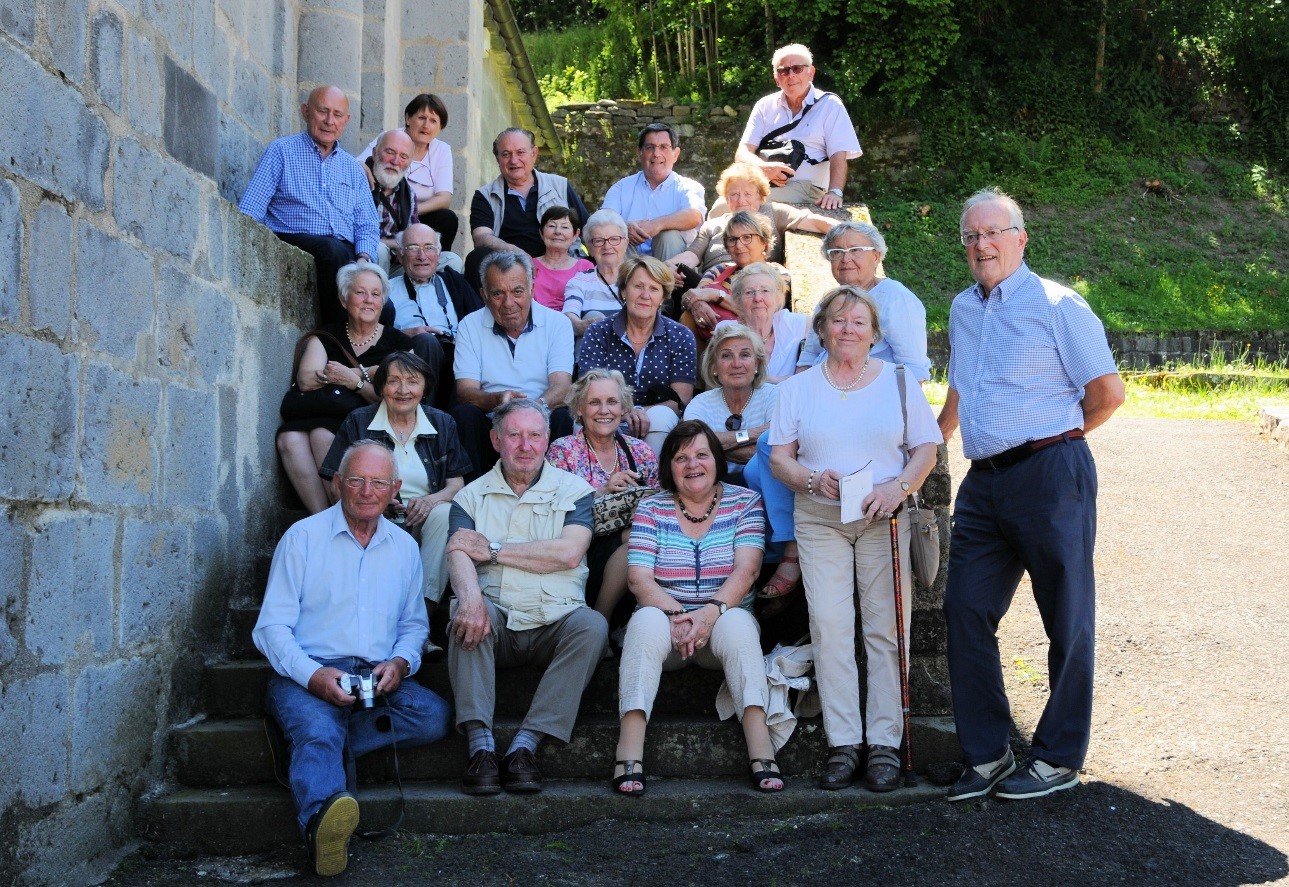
[[663, 209], [1030, 374], [344, 598], [800, 136]]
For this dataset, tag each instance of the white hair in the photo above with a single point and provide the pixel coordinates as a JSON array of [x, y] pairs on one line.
[[993, 195], [793, 49]]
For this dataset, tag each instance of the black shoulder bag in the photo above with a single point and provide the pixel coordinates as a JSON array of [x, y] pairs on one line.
[[791, 152]]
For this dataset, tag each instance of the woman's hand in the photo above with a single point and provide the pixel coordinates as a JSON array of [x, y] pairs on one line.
[[418, 509], [704, 314], [828, 484], [691, 631], [336, 373], [638, 422], [621, 480], [883, 501]]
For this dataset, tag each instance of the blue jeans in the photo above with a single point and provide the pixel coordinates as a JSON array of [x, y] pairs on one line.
[[320, 735], [779, 500]]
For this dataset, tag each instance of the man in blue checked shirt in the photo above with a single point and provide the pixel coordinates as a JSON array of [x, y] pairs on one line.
[[1030, 374], [313, 194]]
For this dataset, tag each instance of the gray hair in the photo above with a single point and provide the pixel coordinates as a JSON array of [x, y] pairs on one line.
[[793, 49], [398, 238], [578, 393], [367, 443], [519, 403], [723, 333], [769, 270], [993, 195], [514, 130], [504, 261], [863, 229], [758, 222], [848, 296], [605, 218], [345, 279]]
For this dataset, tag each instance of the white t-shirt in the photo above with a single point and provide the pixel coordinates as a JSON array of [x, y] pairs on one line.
[[902, 318], [524, 364], [428, 176], [851, 430], [711, 408], [825, 131]]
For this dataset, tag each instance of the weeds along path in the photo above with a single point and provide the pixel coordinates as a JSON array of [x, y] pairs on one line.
[[1192, 686]]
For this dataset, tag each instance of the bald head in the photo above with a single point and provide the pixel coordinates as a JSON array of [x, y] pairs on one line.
[[391, 158], [420, 252], [326, 114]]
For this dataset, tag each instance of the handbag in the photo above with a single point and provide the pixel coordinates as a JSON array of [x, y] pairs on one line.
[[612, 512], [790, 151], [327, 402], [924, 547]]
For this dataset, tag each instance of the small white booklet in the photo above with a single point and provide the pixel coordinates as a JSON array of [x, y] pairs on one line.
[[854, 487]]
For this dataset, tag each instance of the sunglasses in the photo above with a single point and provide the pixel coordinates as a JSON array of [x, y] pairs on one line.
[[734, 422], [785, 70]]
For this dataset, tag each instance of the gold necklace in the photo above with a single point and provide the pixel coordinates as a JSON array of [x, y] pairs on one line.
[[851, 386]]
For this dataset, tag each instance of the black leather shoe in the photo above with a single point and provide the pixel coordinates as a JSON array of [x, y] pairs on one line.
[[883, 772], [839, 769], [481, 775], [972, 785], [520, 773]]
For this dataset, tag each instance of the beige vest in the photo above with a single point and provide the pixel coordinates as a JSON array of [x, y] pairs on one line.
[[529, 600], [552, 190]]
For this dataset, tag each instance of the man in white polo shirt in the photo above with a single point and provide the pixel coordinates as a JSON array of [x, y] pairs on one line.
[[800, 113], [511, 348], [663, 209]]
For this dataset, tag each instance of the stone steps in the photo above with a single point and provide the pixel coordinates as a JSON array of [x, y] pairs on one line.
[[253, 819]]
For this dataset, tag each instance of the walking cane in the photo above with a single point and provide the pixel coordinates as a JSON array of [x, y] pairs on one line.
[[910, 778]]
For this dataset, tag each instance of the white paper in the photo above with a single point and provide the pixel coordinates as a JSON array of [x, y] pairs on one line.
[[854, 487]]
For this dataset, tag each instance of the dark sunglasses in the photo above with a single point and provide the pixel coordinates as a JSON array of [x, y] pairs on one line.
[[734, 422]]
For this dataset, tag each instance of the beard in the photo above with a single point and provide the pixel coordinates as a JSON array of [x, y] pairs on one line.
[[387, 177]]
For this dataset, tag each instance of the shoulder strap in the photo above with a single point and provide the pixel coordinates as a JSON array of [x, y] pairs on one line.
[[775, 133], [626, 450], [904, 409], [344, 349]]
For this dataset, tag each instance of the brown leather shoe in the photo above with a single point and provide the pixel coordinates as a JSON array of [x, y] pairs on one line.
[[520, 773], [839, 769], [481, 775], [883, 773]]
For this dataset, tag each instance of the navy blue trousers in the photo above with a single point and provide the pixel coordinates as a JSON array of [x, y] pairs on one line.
[[1038, 516]]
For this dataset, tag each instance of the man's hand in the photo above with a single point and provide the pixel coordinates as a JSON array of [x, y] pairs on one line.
[[419, 330], [472, 544], [389, 674], [641, 230], [325, 684], [470, 624], [829, 201], [777, 173]]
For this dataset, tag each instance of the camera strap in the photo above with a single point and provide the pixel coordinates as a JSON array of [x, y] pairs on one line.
[[377, 834], [788, 127]]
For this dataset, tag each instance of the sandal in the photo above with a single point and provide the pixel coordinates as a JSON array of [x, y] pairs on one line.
[[632, 771], [839, 769], [759, 777], [780, 586]]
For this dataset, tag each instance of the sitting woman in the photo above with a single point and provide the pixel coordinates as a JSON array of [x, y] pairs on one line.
[[656, 355], [610, 462], [593, 294], [740, 400], [833, 420], [743, 187], [759, 292], [553, 271], [749, 238], [332, 377], [695, 552], [430, 459]]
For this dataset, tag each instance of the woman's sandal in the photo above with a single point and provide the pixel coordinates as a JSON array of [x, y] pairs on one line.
[[780, 586], [632, 771], [765, 773]]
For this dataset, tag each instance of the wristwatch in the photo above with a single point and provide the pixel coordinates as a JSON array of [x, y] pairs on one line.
[[905, 485], [494, 549], [836, 191], [721, 607], [741, 437]]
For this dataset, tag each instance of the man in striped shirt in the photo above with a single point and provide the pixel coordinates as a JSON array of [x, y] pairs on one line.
[[313, 194], [1029, 374]]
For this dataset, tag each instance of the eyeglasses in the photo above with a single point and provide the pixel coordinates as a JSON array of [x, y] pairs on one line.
[[853, 252], [415, 249], [741, 239], [734, 422], [358, 483], [606, 241], [971, 238], [785, 70]]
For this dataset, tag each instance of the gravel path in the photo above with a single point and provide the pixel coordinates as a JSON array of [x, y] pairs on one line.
[[1188, 774]]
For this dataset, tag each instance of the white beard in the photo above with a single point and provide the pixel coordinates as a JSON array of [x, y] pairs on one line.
[[387, 179]]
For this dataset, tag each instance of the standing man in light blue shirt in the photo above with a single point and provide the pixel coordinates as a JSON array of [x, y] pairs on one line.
[[1030, 374], [344, 594], [313, 194], [663, 209]]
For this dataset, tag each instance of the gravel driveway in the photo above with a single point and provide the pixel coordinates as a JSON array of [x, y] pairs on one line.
[[1187, 776]]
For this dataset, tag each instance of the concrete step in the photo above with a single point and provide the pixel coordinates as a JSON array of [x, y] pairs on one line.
[[219, 753], [259, 818]]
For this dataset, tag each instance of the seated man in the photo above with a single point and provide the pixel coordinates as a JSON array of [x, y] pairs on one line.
[[427, 303], [517, 561], [511, 348], [286, 193], [344, 593], [663, 209], [505, 214], [391, 191]]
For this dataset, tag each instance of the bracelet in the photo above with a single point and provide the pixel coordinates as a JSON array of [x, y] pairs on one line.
[[810, 483], [671, 612]]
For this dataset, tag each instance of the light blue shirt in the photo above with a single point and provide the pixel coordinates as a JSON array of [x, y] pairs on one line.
[[635, 199], [295, 190], [499, 363], [1020, 359], [328, 597], [902, 318], [425, 310]]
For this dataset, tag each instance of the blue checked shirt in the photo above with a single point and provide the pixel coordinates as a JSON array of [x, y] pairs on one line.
[[1019, 360], [295, 191]]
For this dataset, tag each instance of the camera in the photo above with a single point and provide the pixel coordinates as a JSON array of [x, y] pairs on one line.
[[362, 686]]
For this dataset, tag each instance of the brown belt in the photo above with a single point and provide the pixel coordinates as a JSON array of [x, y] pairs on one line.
[[1008, 458]]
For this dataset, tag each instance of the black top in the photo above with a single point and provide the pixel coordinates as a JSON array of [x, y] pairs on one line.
[[390, 340]]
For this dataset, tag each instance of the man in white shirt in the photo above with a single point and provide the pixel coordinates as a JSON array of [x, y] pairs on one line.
[[344, 595], [663, 209], [825, 132]]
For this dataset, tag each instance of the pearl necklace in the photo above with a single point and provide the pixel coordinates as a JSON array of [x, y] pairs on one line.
[[706, 514], [846, 390], [365, 342]]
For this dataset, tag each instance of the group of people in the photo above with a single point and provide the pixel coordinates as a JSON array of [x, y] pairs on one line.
[[655, 419]]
